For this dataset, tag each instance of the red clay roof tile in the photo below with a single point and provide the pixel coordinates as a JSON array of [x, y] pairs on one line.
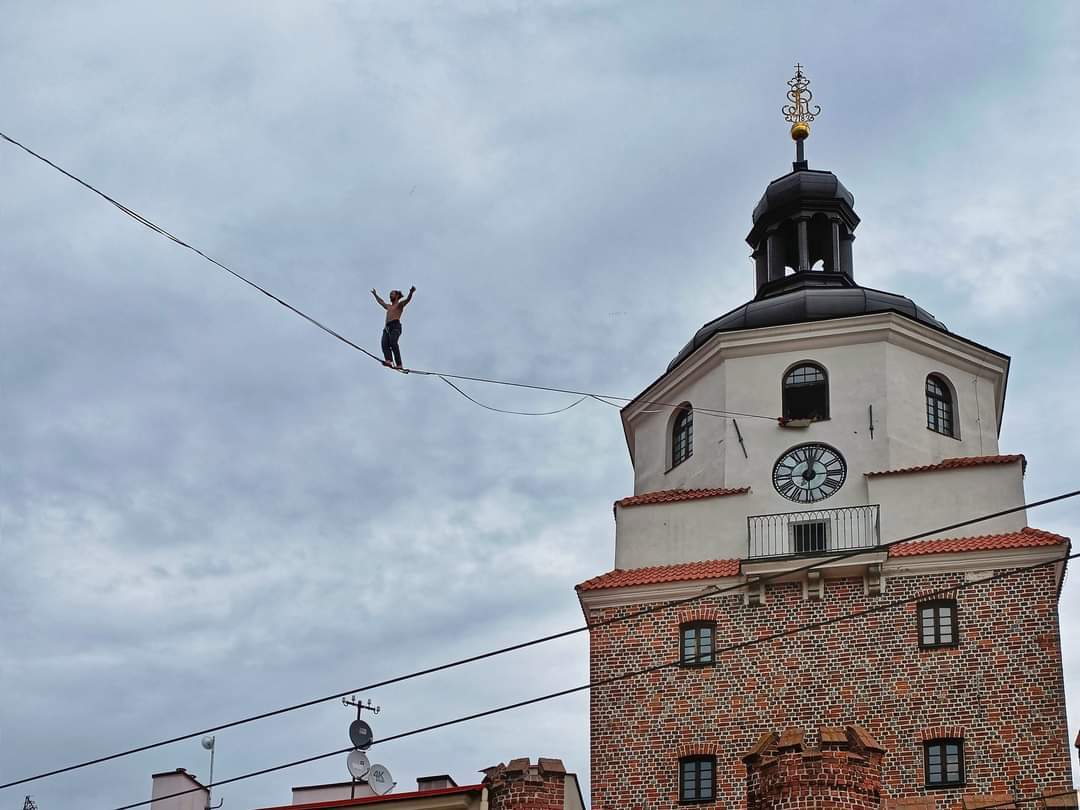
[[1025, 538], [670, 495], [684, 572], [956, 463]]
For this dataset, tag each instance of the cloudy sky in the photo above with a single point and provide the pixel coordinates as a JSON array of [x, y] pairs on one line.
[[209, 508]]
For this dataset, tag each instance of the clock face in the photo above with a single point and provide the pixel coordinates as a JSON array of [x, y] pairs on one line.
[[809, 473]]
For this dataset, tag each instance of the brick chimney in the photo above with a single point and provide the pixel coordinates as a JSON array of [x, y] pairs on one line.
[[843, 771], [520, 785]]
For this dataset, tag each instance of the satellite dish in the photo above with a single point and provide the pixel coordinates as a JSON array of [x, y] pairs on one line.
[[360, 734], [380, 780], [358, 764], [208, 743]]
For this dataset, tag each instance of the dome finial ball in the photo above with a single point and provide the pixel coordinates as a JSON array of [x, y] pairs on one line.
[[800, 131]]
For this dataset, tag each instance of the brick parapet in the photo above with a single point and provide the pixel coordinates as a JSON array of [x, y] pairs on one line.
[[522, 785], [844, 771]]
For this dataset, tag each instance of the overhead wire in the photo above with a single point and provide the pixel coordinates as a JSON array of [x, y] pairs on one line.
[[706, 592], [592, 684], [328, 330], [503, 410]]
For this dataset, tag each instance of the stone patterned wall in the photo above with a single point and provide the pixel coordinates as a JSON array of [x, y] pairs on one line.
[[1001, 689]]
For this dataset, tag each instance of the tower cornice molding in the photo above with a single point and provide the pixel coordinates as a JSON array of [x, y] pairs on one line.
[[807, 336]]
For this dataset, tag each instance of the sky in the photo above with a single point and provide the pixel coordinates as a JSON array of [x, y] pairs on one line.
[[209, 508]]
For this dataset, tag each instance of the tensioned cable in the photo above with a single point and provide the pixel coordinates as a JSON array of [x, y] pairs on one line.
[[945, 590], [487, 380], [705, 592]]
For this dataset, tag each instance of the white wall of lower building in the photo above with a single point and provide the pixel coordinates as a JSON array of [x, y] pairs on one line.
[[912, 503], [179, 781]]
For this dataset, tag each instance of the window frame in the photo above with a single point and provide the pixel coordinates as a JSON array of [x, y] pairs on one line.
[[936, 605], [938, 403], [942, 744], [784, 390], [697, 761], [682, 422], [697, 626]]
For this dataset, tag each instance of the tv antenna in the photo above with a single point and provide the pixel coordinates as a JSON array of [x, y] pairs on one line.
[[208, 743], [29, 804], [377, 777]]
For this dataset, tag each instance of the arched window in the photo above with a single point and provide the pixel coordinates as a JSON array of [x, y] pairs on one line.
[[806, 392], [939, 406], [682, 435]]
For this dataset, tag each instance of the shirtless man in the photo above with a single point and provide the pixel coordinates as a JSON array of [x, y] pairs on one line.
[[392, 331]]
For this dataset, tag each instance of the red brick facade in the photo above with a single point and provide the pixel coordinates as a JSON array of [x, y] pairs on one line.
[[1000, 690]]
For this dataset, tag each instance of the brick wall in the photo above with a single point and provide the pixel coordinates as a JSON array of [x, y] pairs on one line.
[[1000, 689], [519, 785]]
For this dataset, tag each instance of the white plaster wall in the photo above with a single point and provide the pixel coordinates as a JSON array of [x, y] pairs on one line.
[[912, 443], [169, 783], [856, 379], [916, 502], [651, 437], [329, 793], [683, 531], [878, 360]]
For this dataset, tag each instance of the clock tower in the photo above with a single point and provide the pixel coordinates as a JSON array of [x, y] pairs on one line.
[[777, 459]]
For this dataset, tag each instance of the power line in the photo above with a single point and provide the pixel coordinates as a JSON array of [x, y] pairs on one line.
[[945, 590], [708, 591], [297, 311]]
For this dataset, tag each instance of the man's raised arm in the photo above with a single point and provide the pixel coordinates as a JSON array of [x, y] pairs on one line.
[[382, 303], [408, 297]]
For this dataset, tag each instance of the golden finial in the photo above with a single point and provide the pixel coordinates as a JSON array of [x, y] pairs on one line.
[[799, 112]]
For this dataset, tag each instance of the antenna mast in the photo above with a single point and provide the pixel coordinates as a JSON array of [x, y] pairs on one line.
[[29, 804]]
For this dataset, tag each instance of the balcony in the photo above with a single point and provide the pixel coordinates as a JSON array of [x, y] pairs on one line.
[[807, 534]]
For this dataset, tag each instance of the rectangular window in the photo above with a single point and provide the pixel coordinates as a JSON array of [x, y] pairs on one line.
[[696, 779], [944, 763], [937, 624], [810, 537], [698, 639]]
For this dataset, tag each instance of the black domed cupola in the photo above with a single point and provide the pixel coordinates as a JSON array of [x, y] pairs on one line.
[[803, 229], [803, 224], [805, 221]]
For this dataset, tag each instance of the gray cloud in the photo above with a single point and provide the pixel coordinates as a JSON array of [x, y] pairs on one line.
[[208, 507]]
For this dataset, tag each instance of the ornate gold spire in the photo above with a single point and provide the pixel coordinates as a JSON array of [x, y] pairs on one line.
[[799, 112]]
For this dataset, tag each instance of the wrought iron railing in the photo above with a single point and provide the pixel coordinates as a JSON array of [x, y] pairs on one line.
[[822, 531]]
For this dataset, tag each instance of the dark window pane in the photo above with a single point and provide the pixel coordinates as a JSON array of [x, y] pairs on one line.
[[682, 436], [939, 407], [937, 624], [944, 763], [806, 393], [696, 782]]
